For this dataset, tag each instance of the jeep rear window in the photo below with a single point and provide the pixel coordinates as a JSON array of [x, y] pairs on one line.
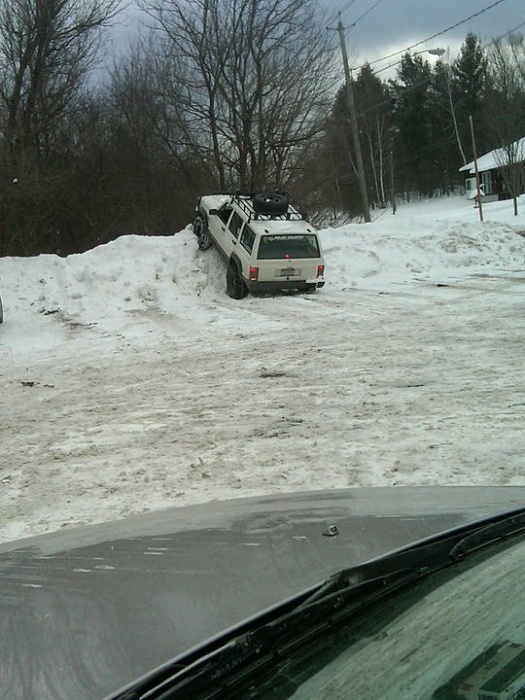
[[288, 246]]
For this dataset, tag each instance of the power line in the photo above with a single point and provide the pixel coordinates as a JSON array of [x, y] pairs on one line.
[[348, 5], [366, 13], [434, 36], [395, 63], [338, 13], [419, 83], [391, 65], [510, 31]]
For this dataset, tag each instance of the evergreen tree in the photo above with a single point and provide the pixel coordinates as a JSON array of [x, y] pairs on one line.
[[339, 153], [469, 86], [415, 155]]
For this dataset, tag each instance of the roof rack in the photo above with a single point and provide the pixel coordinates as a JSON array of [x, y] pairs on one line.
[[245, 202]]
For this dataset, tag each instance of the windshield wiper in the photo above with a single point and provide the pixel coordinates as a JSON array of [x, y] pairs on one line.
[[425, 556], [314, 613], [482, 536]]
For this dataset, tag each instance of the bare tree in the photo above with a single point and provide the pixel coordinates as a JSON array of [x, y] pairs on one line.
[[46, 49], [507, 110], [149, 159], [373, 103], [251, 79]]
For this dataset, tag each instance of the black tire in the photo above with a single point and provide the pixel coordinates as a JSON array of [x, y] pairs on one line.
[[200, 229], [235, 285], [275, 203]]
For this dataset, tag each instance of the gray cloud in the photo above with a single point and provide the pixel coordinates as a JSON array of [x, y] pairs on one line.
[[397, 24]]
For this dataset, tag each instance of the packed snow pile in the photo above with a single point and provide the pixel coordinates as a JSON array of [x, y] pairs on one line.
[[106, 288], [130, 381], [415, 250]]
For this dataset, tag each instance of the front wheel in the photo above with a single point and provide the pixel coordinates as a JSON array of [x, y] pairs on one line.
[[235, 285], [201, 231]]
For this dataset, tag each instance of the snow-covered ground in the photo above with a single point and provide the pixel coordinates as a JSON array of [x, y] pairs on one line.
[[130, 381]]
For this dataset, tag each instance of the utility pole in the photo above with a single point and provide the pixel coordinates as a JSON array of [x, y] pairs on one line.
[[479, 192], [354, 126], [392, 183]]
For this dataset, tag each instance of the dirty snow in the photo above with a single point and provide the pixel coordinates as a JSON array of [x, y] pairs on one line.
[[130, 381]]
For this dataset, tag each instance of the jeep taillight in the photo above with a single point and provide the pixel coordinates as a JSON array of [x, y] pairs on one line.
[[254, 274], [320, 270]]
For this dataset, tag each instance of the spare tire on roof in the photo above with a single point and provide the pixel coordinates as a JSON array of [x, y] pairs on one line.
[[270, 203]]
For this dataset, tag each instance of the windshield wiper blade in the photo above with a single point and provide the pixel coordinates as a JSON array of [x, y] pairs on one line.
[[425, 556], [494, 531]]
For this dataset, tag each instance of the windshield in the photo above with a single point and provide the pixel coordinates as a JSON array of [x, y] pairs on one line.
[[459, 636], [279, 247]]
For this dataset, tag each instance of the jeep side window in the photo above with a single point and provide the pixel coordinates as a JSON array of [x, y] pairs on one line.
[[235, 224], [247, 239], [224, 214]]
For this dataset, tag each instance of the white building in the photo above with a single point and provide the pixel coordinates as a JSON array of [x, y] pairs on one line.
[[490, 167]]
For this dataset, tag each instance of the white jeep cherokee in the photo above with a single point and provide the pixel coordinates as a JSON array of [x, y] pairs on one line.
[[268, 243]]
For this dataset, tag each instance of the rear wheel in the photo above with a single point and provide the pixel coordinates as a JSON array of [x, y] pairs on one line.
[[201, 231], [235, 285]]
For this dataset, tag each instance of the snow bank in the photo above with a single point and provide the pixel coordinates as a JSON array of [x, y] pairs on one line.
[[130, 381]]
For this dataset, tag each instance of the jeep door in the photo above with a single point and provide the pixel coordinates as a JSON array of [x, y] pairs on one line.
[[232, 232], [219, 228], [228, 226]]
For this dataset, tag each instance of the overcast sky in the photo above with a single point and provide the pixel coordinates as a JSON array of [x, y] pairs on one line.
[[378, 28], [385, 26]]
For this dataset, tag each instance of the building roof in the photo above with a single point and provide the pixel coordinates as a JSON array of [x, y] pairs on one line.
[[498, 158]]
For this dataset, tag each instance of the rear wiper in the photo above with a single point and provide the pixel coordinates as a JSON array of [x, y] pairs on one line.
[[306, 616]]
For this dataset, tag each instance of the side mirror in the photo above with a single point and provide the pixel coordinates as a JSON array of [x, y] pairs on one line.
[[213, 212]]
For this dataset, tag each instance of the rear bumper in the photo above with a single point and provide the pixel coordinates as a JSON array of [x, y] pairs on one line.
[[301, 285]]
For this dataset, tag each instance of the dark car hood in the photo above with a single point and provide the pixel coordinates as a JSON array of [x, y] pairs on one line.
[[86, 611]]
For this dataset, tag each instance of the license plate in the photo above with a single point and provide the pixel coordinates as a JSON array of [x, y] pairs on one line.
[[289, 272]]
